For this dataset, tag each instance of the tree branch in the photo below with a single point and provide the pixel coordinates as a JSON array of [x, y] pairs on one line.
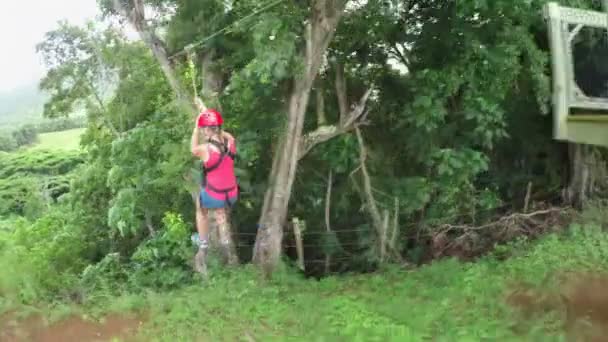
[[372, 207], [324, 133], [341, 91], [400, 56], [149, 225], [320, 105], [103, 110], [137, 19], [320, 31]]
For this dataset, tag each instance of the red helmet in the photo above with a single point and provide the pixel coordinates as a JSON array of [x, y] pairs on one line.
[[210, 117]]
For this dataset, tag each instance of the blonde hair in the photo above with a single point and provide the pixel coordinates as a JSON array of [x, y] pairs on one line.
[[216, 131]]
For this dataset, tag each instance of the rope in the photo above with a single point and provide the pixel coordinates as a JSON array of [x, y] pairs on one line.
[[192, 70], [225, 29]]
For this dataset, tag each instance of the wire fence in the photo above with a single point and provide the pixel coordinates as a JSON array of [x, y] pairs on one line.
[[343, 256], [425, 222]]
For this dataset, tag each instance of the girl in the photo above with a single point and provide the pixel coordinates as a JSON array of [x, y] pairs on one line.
[[219, 189]]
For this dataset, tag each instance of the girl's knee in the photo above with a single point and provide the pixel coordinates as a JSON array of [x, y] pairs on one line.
[[202, 213], [220, 216]]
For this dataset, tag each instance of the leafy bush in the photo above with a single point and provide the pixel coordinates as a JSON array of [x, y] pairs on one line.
[[26, 135], [39, 162], [60, 124], [7, 143], [106, 277], [163, 261], [31, 180], [41, 260], [160, 262]]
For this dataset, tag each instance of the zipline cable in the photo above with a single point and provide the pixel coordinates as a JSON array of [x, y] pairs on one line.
[[226, 28]]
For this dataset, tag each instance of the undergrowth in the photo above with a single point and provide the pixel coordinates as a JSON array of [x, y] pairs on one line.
[[445, 301], [32, 180], [44, 269]]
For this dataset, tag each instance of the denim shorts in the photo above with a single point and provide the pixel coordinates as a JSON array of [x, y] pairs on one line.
[[208, 202]]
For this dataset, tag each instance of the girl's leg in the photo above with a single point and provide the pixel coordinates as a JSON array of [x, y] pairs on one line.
[[221, 219], [202, 226]]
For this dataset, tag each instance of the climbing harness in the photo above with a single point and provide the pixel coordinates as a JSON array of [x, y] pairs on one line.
[[224, 151]]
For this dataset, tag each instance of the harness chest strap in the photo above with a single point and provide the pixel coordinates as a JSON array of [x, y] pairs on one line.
[[224, 151]]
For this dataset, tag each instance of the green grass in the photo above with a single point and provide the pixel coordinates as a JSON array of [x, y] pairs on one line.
[[23, 174], [64, 140], [445, 301]]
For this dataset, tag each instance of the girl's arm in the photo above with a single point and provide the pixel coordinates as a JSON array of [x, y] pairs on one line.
[[231, 141], [197, 149], [199, 104]]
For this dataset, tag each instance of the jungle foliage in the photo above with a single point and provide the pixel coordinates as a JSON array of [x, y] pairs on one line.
[[421, 114]]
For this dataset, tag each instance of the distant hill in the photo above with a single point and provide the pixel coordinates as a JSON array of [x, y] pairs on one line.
[[20, 105]]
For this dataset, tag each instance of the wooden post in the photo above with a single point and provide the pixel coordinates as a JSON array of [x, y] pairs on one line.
[[327, 220], [395, 230], [383, 239], [527, 198], [297, 233]]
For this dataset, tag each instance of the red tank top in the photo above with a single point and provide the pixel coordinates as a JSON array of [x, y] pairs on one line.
[[222, 177]]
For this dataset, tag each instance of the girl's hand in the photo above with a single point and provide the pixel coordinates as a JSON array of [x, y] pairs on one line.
[[199, 103], [196, 119]]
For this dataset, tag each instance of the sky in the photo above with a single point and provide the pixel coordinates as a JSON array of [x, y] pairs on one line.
[[23, 24]]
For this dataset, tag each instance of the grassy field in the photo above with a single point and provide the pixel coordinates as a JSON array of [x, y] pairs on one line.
[[24, 172], [64, 140], [445, 301]]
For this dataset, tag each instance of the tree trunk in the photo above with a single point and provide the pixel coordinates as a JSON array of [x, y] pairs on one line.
[[226, 242], [379, 221], [320, 102], [578, 188], [270, 235], [211, 79], [319, 32]]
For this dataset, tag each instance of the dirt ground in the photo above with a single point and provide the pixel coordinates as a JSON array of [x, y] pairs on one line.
[[581, 300], [71, 329]]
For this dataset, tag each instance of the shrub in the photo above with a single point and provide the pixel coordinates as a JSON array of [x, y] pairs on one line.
[[41, 260], [164, 260], [61, 124], [29, 181], [160, 262], [26, 135], [7, 143]]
